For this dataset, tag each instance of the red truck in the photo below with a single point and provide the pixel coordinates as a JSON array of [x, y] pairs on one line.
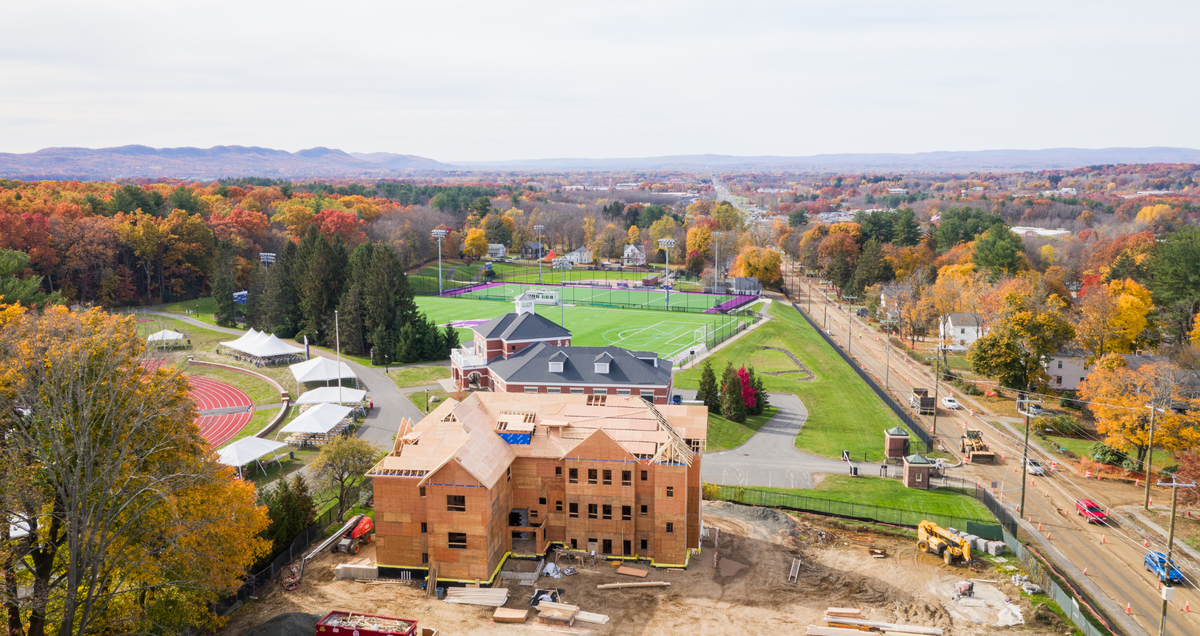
[[347, 623]]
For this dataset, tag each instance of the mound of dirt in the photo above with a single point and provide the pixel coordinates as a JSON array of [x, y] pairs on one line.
[[1043, 616], [292, 624]]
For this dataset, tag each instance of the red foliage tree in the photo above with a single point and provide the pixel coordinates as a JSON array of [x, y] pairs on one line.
[[748, 394], [343, 224]]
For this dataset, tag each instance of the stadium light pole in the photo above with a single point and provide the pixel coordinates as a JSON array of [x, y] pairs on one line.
[[667, 244], [717, 237], [439, 235], [541, 250]]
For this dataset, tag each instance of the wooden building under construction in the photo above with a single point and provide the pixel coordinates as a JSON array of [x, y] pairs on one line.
[[502, 474]]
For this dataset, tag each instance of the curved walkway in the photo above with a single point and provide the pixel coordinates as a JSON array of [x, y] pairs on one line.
[[770, 457]]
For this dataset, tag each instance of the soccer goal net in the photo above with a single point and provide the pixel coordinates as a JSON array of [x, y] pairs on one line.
[[701, 334]]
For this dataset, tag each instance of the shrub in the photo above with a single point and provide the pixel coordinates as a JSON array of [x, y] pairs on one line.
[[1061, 425], [1105, 454], [1069, 401]]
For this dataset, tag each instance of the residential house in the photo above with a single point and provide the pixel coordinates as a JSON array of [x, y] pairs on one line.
[[579, 256], [511, 474], [633, 257], [959, 330], [1068, 368], [497, 250], [532, 250]]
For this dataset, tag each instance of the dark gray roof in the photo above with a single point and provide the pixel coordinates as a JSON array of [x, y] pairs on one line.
[[533, 245], [965, 319], [524, 327], [626, 367]]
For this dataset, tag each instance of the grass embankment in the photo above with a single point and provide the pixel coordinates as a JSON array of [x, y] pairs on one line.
[[891, 493], [843, 412], [724, 434], [418, 376], [202, 309], [418, 398]]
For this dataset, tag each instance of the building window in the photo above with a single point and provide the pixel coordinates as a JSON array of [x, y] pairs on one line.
[[508, 472], [533, 513], [626, 513], [574, 545], [577, 390], [647, 392], [531, 389], [424, 557], [574, 511], [607, 512], [592, 476], [424, 529], [606, 546], [608, 478], [670, 528], [573, 475], [1060, 364], [644, 475], [599, 391], [458, 540], [670, 491], [644, 544], [645, 510], [1058, 379], [622, 391], [541, 501], [554, 389], [918, 476], [456, 503], [558, 506], [592, 511], [558, 471], [422, 491], [626, 477]]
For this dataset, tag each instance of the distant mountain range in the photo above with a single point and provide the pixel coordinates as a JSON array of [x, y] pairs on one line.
[[250, 161], [981, 160], [206, 163]]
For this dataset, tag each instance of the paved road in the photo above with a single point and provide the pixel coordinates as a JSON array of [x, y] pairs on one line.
[[769, 457], [1115, 572]]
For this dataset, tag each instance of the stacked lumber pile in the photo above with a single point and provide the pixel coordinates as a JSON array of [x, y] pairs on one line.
[[632, 572], [503, 615], [549, 612], [847, 621], [618, 586], [489, 597], [588, 617]]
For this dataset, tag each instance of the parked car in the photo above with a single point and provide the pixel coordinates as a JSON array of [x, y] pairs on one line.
[[1034, 467], [1037, 410], [677, 399], [1090, 511], [949, 402], [1157, 564]]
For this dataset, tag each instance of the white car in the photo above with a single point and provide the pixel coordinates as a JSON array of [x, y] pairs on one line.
[[1033, 467], [950, 402]]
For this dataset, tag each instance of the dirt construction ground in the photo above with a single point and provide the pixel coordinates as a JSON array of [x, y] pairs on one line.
[[747, 593]]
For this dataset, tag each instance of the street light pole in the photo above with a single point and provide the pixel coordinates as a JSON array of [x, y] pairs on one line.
[[1175, 486], [541, 250], [717, 236], [439, 234]]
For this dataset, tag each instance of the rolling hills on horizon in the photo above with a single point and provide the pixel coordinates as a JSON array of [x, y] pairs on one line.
[[251, 161]]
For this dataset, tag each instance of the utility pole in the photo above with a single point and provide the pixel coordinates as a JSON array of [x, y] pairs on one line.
[[541, 251], [887, 353], [850, 326], [439, 234], [1025, 452], [1149, 456], [717, 236], [936, 377], [1174, 486]]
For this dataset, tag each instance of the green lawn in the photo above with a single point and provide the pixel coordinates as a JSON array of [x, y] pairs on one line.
[[257, 422], [891, 493], [284, 468], [418, 398], [843, 412], [202, 309], [608, 296], [418, 376], [724, 434], [664, 333]]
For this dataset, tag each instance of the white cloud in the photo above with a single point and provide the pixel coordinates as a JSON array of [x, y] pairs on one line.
[[497, 80]]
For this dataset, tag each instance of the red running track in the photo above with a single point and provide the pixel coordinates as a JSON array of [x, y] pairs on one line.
[[210, 394]]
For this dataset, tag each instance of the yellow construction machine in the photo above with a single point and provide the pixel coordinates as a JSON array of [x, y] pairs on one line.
[[935, 539], [976, 450]]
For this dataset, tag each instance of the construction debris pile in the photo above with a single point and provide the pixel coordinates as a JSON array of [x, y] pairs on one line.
[[366, 624], [979, 544], [847, 621]]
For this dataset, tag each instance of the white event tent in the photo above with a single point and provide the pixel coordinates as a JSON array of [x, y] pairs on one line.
[[322, 370], [246, 450], [262, 346], [166, 338], [333, 395], [318, 420]]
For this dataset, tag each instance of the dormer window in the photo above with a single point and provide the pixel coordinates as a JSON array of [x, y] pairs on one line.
[[602, 367], [556, 366], [602, 362]]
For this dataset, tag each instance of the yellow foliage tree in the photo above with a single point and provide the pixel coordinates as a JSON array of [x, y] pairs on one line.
[[853, 229], [295, 214], [1111, 317], [759, 262], [476, 244], [1151, 214], [149, 238], [700, 238], [635, 235]]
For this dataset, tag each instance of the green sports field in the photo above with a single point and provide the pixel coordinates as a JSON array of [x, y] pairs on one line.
[[604, 296], [664, 333]]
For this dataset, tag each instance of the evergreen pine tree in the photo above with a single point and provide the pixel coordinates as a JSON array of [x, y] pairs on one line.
[[407, 348], [905, 231], [283, 308], [350, 326], [760, 394], [449, 341], [222, 285], [872, 268], [839, 272], [382, 347], [733, 407], [256, 299], [708, 393]]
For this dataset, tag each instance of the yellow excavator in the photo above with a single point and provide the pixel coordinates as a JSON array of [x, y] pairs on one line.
[[935, 539]]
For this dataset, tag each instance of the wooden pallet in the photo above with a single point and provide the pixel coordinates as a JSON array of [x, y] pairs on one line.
[[488, 597], [503, 615]]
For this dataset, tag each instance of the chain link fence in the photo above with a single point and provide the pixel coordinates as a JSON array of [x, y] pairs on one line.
[[1080, 609]]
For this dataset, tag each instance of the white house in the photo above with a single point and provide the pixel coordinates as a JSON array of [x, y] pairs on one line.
[[957, 331], [633, 256], [497, 250], [579, 256], [1067, 368]]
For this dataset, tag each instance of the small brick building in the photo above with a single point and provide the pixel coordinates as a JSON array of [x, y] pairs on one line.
[[917, 469], [511, 473]]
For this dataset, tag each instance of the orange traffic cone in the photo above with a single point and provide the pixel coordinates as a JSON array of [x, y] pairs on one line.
[[1102, 539], [1151, 501], [1145, 543], [1085, 571], [1128, 608], [1187, 606], [1039, 526], [1031, 481], [1047, 535]]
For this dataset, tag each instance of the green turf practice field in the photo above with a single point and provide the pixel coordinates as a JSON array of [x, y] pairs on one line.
[[604, 296], [665, 333]]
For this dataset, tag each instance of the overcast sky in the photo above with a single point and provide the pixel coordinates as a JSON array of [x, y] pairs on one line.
[[515, 79]]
